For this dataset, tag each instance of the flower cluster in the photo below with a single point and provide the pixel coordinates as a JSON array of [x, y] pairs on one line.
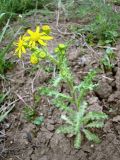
[[35, 41]]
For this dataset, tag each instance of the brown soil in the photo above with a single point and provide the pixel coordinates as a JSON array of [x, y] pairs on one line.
[[21, 140]]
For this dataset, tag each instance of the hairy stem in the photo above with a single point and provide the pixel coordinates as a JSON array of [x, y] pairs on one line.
[[72, 92]]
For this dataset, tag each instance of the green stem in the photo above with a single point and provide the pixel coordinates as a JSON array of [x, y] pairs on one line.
[[52, 59], [72, 92]]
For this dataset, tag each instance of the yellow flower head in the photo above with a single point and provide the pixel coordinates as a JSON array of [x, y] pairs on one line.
[[37, 37], [20, 47], [34, 59], [46, 29], [42, 54]]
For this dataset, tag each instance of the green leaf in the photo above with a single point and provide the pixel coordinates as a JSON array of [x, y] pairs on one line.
[[77, 141], [65, 118], [66, 129], [95, 116], [4, 115], [77, 117], [52, 92], [95, 124], [29, 113], [56, 81], [4, 30], [64, 96], [60, 104], [91, 136], [82, 109], [2, 97], [38, 120], [45, 91], [85, 86], [1, 15]]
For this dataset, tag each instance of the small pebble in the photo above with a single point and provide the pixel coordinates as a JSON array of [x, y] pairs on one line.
[[92, 146]]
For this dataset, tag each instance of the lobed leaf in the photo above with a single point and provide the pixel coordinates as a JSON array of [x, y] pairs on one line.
[[65, 118], [82, 109], [52, 92], [95, 124], [77, 141], [66, 129], [95, 116], [56, 81], [38, 120], [91, 136]]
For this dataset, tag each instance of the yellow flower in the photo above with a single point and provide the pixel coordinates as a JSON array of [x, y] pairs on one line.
[[34, 59], [20, 47], [37, 37], [46, 29]]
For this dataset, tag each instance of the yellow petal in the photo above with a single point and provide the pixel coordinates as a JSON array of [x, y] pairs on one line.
[[33, 44], [17, 49], [34, 59], [42, 43], [46, 38], [42, 34], [37, 29], [23, 50], [26, 38], [30, 32], [19, 54]]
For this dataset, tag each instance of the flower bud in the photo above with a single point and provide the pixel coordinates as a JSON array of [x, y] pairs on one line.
[[46, 29], [63, 73], [42, 54], [34, 59], [56, 50], [61, 46]]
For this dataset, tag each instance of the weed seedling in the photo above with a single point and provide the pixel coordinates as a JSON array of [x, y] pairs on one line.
[[31, 115], [108, 59]]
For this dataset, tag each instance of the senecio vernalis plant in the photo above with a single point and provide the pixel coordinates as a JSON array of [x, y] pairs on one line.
[[77, 119]]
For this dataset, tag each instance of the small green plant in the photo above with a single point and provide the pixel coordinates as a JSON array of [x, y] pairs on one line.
[[81, 122], [108, 59], [31, 115], [38, 120], [77, 119]]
